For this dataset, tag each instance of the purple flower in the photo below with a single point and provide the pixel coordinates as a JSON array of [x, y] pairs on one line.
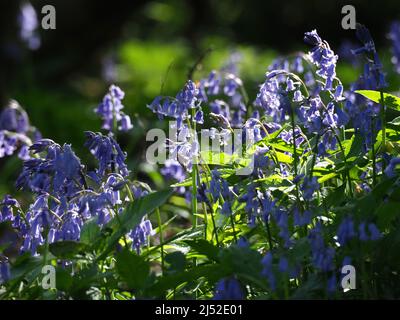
[[345, 231], [107, 151], [173, 170], [322, 255], [139, 235], [309, 186], [267, 270], [228, 289], [394, 36], [373, 69], [390, 170], [374, 233], [4, 271], [110, 110], [283, 264], [198, 117], [323, 57], [28, 23]]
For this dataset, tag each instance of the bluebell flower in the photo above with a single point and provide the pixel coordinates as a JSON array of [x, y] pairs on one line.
[[345, 231], [28, 24], [323, 57], [301, 219], [332, 284], [394, 36], [232, 83], [198, 117], [281, 217], [110, 110], [362, 232], [309, 186], [4, 272], [173, 170], [107, 151], [390, 170], [287, 136], [58, 172], [322, 255], [178, 108], [374, 232], [268, 270], [283, 264], [373, 68], [15, 131], [273, 98], [6, 208], [228, 289], [140, 233]]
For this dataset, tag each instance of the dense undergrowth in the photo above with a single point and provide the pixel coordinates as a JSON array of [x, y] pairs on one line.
[[323, 192]]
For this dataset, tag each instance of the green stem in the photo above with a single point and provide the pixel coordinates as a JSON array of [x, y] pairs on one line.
[[161, 239], [345, 162], [208, 171], [383, 121], [373, 152], [295, 156], [314, 155]]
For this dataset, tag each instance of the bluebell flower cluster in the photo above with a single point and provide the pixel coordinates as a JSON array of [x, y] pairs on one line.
[[110, 111], [108, 153], [322, 254], [364, 112], [223, 91], [66, 194], [229, 289], [323, 57], [179, 107], [16, 133], [140, 234], [268, 270]]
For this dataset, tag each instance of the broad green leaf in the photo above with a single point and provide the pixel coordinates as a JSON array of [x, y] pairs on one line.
[[327, 177], [67, 249], [204, 247], [176, 260], [90, 231], [133, 269], [390, 100]]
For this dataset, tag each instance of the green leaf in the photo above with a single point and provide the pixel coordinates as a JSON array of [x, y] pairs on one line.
[[394, 124], [211, 272], [67, 249], [204, 247], [133, 269], [133, 215], [327, 177], [386, 213], [390, 100], [177, 261], [64, 279], [355, 147], [90, 231]]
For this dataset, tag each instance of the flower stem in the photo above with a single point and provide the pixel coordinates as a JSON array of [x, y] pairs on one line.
[[161, 239], [373, 152], [295, 156], [383, 121]]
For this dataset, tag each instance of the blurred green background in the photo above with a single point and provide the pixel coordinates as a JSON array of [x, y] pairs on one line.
[[147, 48]]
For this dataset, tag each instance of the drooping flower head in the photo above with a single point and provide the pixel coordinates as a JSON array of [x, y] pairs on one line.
[[110, 110], [108, 152]]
